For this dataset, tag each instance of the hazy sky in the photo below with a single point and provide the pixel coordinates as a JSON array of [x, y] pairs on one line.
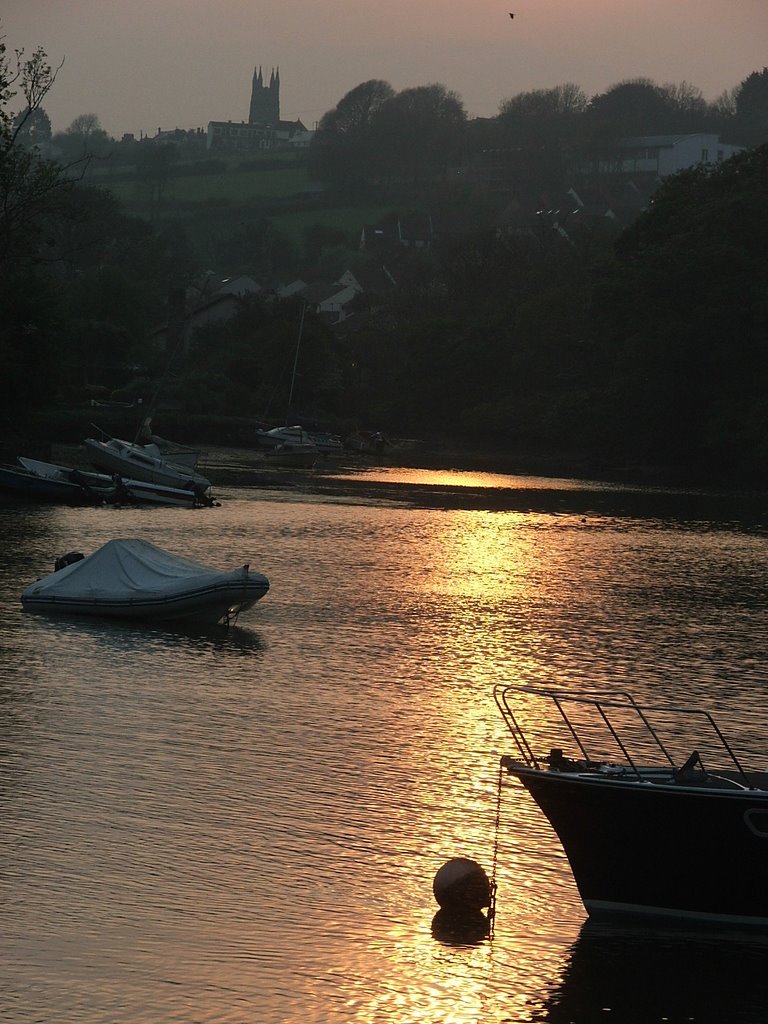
[[146, 64]]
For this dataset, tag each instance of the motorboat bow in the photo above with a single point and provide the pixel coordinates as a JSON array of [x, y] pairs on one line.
[[657, 813]]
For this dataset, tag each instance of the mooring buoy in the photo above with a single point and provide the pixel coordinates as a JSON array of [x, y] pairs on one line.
[[461, 884]]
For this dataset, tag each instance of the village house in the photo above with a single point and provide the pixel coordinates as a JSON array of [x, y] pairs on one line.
[[662, 155]]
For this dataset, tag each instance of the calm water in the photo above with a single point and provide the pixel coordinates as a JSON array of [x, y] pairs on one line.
[[244, 826]]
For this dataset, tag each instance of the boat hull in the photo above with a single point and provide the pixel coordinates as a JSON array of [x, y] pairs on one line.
[[663, 850], [28, 486], [208, 605], [115, 489]]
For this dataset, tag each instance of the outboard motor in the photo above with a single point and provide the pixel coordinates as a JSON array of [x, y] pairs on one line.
[[64, 560]]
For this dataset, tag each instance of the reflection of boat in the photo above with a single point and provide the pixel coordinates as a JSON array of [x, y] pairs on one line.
[[134, 579], [647, 829], [142, 462], [636, 975], [117, 490], [290, 454]]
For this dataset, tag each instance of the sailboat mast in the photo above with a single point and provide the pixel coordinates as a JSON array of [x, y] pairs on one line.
[[295, 363]]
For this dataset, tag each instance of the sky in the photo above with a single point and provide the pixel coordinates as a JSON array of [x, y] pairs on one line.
[[140, 65]]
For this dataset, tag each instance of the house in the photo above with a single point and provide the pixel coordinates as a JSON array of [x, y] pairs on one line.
[[330, 298], [662, 155], [242, 285], [244, 136], [212, 300], [293, 288], [301, 139]]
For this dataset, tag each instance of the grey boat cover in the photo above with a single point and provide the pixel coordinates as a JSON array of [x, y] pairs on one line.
[[123, 570]]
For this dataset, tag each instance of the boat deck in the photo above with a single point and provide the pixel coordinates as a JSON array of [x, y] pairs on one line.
[[616, 739]]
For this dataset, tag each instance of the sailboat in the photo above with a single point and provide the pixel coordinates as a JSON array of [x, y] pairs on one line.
[[290, 446], [149, 458], [142, 462]]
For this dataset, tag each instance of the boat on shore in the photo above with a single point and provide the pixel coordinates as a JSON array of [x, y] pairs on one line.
[[145, 462], [116, 490], [133, 579], [22, 483], [657, 814], [323, 442]]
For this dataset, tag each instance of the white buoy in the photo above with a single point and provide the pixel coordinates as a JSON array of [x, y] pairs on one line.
[[461, 885]]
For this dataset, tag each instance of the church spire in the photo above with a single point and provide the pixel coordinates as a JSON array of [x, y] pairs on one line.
[[265, 98]]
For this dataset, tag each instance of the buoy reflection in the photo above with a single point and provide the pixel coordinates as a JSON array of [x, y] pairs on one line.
[[461, 928]]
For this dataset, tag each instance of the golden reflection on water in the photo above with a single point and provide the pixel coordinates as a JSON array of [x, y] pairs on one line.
[[485, 565], [462, 479]]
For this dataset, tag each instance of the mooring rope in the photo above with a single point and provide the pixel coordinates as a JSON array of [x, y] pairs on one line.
[[497, 829]]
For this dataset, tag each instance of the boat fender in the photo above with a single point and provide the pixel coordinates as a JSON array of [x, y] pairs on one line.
[[461, 885], [69, 559]]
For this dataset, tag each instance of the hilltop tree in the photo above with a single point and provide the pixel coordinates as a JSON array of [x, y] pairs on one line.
[[32, 191], [84, 140], [30, 187], [541, 128], [751, 102], [343, 149], [418, 131], [34, 128], [688, 110], [633, 107]]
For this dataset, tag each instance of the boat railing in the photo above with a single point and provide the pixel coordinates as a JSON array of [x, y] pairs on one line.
[[624, 719]]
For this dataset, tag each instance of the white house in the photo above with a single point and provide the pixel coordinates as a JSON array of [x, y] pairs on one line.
[[667, 154], [245, 136]]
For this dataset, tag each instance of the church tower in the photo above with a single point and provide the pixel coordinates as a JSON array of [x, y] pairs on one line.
[[265, 99]]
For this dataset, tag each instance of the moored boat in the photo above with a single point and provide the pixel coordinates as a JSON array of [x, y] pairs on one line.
[[650, 827], [142, 462], [22, 483], [117, 490], [133, 579], [323, 442]]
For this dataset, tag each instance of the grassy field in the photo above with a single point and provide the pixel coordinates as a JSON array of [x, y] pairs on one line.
[[276, 186], [235, 186]]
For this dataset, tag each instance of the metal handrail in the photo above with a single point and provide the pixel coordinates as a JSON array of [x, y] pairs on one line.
[[603, 706]]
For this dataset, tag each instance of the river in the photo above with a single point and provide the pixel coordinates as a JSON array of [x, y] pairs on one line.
[[242, 826]]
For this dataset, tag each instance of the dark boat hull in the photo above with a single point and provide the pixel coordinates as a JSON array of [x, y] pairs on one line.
[[29, 487], [665, 850]]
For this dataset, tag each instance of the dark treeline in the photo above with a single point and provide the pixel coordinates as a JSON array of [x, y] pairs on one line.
[[644, 348], [545, 138]]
